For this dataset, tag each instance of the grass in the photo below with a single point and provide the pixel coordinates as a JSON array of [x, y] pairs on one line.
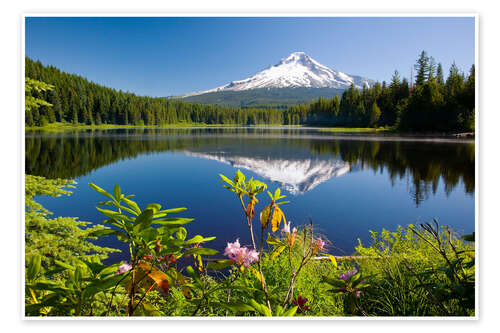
[[356, 129], [69, 126]]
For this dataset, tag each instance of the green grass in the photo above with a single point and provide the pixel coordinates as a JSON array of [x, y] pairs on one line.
[[356, 129], [69, 126], [65, 126]]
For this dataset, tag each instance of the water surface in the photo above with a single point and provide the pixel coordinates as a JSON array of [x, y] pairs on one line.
[[347, 184]]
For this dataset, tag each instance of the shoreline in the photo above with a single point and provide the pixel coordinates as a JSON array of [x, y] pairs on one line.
[[378, 132]]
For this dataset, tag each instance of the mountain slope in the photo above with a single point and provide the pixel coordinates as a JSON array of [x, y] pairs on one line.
[[278, 98], [297, 70]]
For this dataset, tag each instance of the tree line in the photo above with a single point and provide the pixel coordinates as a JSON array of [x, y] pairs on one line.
[[430, 104], [76, 100]]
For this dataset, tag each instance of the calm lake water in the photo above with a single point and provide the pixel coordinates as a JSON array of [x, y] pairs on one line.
[[347, 184]]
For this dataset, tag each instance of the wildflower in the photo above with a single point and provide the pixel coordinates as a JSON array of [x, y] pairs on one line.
[[301, 303], [347, 275], [123, 268], [241, 255], [286, 227], [358, 293], [319, 244]]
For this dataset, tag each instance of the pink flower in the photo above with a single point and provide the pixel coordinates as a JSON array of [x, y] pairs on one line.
[[241, 255], [319, 243], [123, 268]]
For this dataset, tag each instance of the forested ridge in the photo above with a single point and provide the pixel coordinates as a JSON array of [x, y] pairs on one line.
[[432, 104], [76, 100]]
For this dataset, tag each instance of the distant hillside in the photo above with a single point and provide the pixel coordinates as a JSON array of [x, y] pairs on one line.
[[280, 98]]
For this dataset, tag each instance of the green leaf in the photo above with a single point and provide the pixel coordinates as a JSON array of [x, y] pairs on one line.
[[34, 265], [201, 251], [174, 221], [154, 207], [238, 307], [273, 241], [277, 193], [333, 282], [149, 234], [100, 190], [144, 220], [239, 177], [117, 192], [173, 210], [227, 180], [198, 239], [114, 215], [132, 205], [262, 309], [219, 264], [181, 234], [290, 312], [63, 264], [193, 275]]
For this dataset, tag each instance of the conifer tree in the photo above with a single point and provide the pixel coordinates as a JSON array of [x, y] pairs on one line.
[[422, 68]]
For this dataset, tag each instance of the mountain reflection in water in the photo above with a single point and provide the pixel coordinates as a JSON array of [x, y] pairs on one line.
[[299, 160]]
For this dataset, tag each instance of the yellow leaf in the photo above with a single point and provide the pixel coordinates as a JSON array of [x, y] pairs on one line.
[[264, 216], [276, 220], [332, 259], [276, 252], [257, 275], [160, 278], [250, 208]]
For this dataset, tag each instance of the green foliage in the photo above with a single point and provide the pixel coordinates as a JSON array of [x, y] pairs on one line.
[[421, 271], [63, 238], [156, 243], [34, 102], [33, 88]]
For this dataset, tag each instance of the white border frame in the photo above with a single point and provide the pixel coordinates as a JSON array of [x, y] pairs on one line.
[[236, 14]]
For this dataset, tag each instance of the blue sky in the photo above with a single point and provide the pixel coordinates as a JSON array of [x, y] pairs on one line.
[[169, 56]]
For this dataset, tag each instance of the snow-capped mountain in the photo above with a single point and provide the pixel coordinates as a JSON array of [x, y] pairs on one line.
[[297, 70]]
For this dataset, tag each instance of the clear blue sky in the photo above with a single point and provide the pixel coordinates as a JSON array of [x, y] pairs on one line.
[[169, 56]]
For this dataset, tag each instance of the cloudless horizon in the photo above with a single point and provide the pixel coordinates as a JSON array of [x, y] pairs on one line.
[[164, 56]]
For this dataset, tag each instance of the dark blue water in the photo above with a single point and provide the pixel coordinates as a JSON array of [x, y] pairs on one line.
[[346, 184]]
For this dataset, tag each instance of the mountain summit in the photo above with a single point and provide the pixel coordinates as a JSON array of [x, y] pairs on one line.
[[297, 70]]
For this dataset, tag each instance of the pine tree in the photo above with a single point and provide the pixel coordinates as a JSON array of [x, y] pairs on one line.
[[431, 75], [422, 68], [439, 75]]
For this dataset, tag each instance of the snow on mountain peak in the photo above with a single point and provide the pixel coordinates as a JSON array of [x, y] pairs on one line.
[[297, 70]]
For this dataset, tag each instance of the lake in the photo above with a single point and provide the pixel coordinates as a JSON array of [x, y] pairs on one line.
[[347, 184]]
